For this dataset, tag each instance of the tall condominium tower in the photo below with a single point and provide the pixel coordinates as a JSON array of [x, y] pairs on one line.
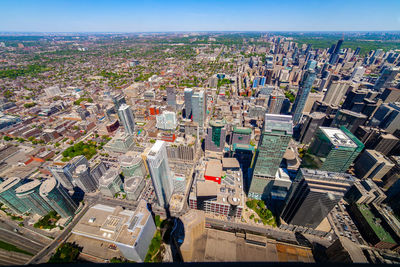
[[302, 95], [199, 102], [57, 197], [29, 193], [171, 96], [160, 173], [332, 150], [127, 119], [8, 196], [275, 137], [314, 194], [188, 93]]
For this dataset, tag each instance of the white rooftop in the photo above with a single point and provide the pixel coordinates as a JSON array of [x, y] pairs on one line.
[[338, 137]]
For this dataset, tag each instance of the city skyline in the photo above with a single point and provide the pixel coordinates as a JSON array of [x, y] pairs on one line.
[[171, 16]]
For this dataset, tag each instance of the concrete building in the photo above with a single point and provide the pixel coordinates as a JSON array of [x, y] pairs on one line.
[[84, 180], [240, 135], [386, 78], [182, 149], [160, 173], [332, 150], [29, 193], [372, 164], [343, 250], [349, 119], [127, 119], [276, 134], [171, 96], [365, 192], [216, 135], [64, 174], [110, 183], [335, 92], [188, 93], [57, 197], [194, 227], [315, 193], [310, 126], [133, 187], [131, 231], [393, 175], [9, 198], [357, 74], [120, 143]]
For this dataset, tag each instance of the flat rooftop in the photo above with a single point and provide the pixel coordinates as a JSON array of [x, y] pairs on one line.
[[113, 224], [338, 137]]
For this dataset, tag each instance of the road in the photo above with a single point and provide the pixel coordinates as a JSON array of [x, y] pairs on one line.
[[12, 258], [20, 241], [39, 257]]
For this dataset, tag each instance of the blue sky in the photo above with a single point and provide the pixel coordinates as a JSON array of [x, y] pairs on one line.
[[200, 15]]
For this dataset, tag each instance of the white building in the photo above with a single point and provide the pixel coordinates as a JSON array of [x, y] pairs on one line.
[[131, 231], [52, 91], [160, 172], [126, 116]]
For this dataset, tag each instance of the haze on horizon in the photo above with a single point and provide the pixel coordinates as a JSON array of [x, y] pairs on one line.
[[207, 15]]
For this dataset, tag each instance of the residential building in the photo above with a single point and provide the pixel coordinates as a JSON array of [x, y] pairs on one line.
[[188, 93], [302, 95], [199, 107], [126, 116], [160, 173]]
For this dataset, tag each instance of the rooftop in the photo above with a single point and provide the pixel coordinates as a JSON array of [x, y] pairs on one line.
[[48, 185], [213, 168], [8, 183], [113, 224], [338, 137], [27, 187]]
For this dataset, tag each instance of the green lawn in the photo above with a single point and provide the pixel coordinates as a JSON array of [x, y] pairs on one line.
[[260, 208], [154, 249], [11, 247]]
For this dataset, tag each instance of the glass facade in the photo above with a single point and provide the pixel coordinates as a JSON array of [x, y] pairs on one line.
[[8, 196], [29, 193], [302, 95]]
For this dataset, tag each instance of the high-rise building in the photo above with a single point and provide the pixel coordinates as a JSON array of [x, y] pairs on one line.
[[171, 96], [110, 183], [29, 193], [275, 102], [118, 100], [335, 54], [240, 135], [310, 126], [301, 98], [216, 135], [8, 196], [313, 195], [127, 119], [372, 164], [390, 95], [133, 186], [275, 137], [333, 150], [357, 74], [386, 78], [335, 92], [349, 119], [199, 102], [57, 197], [387, 117], [84, 180], [160, 173], [188, 93]]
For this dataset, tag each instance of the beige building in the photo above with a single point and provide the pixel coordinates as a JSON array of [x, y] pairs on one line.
[[372, 164], [312, 97], [194, 224]]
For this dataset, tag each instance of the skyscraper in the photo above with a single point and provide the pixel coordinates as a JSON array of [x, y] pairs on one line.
[[199, 103], [333, 150], [57, 197], [386, 78], [301, 98], [216, 134], [9, 197], [313, 195], [188, 102], [335, 92], [335, 54], [126, 116], [84, 180], [275, 137], [171, 96], [160, 173], [110, 183]]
